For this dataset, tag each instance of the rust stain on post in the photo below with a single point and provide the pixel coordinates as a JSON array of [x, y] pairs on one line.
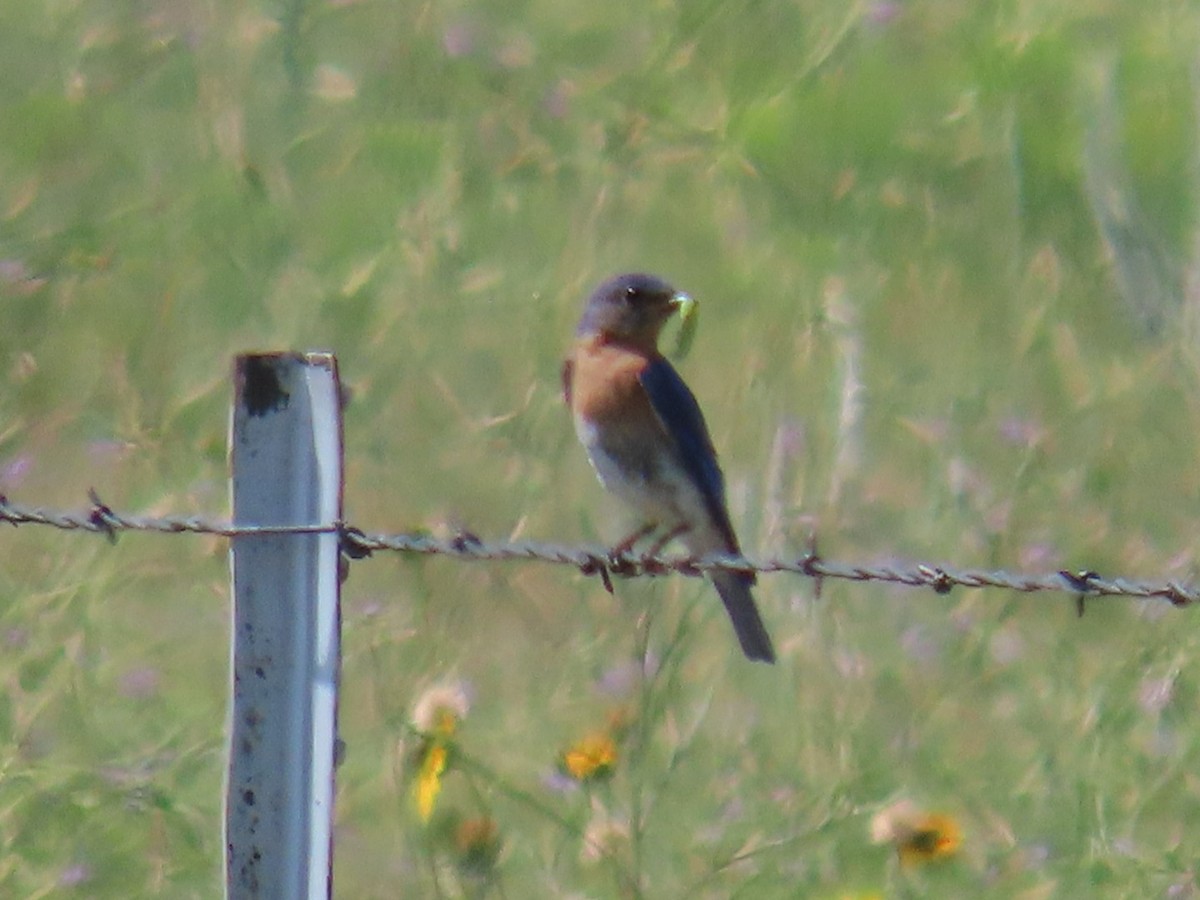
[[259, 386]]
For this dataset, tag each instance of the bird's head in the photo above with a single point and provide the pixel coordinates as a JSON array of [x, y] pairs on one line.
[[632, 307]]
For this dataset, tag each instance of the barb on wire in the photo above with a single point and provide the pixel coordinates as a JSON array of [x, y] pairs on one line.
[[357, 544]]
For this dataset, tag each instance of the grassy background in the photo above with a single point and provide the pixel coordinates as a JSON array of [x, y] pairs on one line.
[[946, 256]]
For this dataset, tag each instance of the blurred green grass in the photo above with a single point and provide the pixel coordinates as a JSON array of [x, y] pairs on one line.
[[944, 255]]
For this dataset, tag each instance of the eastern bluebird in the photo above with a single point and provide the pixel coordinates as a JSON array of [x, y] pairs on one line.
[[646, 438]]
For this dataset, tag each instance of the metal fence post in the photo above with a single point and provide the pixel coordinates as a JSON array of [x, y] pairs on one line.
[[286, 454]]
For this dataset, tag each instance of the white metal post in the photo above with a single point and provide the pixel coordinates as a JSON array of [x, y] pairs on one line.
[[286, 454]]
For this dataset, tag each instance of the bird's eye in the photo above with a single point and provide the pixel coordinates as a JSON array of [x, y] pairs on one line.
[[630, 294]]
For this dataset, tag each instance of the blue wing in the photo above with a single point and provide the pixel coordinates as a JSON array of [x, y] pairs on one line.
[[680, 414]]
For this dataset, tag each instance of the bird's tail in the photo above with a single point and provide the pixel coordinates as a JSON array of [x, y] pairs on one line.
[[734, 588]]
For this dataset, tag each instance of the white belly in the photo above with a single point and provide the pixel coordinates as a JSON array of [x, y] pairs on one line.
[[660, 491]]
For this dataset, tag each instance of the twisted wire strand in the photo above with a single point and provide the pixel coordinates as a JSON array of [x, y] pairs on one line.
[[601, 562]]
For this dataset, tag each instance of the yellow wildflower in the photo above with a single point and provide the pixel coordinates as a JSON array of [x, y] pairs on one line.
[[434, 760], [591, 758], [436, 716], [935, 836], [918, 836]]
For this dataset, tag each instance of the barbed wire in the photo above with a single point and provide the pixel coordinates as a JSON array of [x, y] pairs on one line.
[[357, 544]]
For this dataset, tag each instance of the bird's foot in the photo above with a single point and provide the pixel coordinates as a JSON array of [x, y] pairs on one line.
[[626, 545]]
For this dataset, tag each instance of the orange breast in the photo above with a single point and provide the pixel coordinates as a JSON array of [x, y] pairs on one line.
[[604, 382]]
